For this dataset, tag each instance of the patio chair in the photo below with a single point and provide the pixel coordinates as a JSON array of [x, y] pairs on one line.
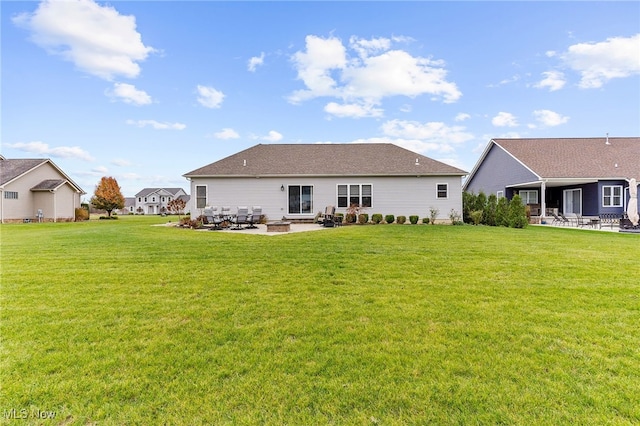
[[565, 219], [559, 220], [582, 221], [240, 218], [213, 218], [254, 217], [329, 216]]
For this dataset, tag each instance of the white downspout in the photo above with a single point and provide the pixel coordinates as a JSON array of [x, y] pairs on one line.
[[55, 207], [543, 203]]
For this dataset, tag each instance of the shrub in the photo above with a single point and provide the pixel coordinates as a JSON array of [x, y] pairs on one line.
[[455, 217], [401, 220], [433, 214], [425, 220], [413, 219], [476, 217], [81, 214], [389, 218], [502, 212], [350, 218], [489, 215], [517, 215], [376, 218], [363, 218]]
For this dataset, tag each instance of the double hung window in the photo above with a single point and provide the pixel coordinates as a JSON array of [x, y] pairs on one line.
[[612, 196], [362, 195], [201, 196]]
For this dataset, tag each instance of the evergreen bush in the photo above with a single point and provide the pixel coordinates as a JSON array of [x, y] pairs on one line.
[[389, 218], [401, 220], [376, 218], [413, 219]]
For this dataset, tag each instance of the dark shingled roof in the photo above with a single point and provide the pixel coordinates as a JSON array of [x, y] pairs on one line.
[[577, 157], [372, 159], [12, 168], [48, 185]]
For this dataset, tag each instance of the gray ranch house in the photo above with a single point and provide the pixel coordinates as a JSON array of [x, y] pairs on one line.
[[574, 176], [36, 190], [155, 200], [297, 181]]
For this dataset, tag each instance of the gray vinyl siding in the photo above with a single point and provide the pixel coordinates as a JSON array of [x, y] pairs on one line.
[[391, 195], [497, 171]]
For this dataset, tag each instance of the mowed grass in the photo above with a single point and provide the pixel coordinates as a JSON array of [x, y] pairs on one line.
[[120, 322]]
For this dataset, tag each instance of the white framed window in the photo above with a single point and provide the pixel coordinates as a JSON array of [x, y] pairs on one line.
[[300, 199], [360, 194], [612, 196], [442, 190], [201, 196], [10, 195], [500, 194], [529, 196]]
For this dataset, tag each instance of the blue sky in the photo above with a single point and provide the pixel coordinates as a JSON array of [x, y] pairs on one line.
[[148, 91]]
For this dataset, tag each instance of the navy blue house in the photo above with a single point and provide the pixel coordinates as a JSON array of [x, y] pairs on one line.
[[574, 176]]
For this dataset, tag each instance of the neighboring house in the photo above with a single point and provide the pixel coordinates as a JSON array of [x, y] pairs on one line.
[[576, 176], [129, 206], [155, 200], [297, 181], [36, 190]]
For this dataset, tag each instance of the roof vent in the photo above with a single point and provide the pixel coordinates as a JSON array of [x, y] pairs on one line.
[[607, 141], [417, 161], [244, 163]]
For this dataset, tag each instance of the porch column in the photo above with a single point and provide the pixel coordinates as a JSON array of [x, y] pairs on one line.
[[543, 202]]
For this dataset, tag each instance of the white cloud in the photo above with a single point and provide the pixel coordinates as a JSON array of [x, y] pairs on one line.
[[120, 162], [226, 133], [100, 170], [434, 132], [41, 148], [616, 57], [352, 110], [554, 80], [372, 72], [504, 119], [97, 39], [273, 136], [157, 125], [209, 97], [462, 116], [255, 62], [549, 118], [128, 93]]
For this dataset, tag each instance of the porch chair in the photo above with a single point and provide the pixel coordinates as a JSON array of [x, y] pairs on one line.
[[256, 214]]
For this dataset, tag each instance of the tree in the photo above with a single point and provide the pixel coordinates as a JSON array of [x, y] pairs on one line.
[[176, 206], [517, 213], [107, 195]]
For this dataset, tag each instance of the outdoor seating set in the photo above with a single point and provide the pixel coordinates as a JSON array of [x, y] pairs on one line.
[[224, 219], [329, 219], [604, 219]]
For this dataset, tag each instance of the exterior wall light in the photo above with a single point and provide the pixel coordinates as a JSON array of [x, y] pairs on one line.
[[281, 187]]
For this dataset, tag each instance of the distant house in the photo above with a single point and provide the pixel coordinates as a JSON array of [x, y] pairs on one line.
[[155, 200], [36, 190], [576, 176], [297, 181]]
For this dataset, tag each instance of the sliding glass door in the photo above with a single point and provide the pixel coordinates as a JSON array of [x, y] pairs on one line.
[[572, 201]]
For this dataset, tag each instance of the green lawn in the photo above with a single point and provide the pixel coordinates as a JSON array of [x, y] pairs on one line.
[[120, 322]]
